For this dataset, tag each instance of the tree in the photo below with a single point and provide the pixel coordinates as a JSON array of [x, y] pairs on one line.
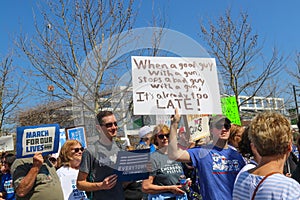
[[295, 73], [243, 68], [75, 50], [58, 112], [12, 90]]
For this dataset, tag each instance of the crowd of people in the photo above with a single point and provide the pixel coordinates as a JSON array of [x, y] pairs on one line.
[[236, 162]]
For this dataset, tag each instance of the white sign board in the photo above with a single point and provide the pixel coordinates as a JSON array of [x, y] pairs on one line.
[[198, 127], [6, 143], [161, 84]]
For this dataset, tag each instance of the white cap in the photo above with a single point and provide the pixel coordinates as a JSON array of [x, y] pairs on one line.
[[144, 131]]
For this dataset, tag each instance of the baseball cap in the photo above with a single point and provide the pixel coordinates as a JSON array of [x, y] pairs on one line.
[[144, 131], [217, 118]]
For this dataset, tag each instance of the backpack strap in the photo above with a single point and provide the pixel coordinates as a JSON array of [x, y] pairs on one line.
[[260, 182]]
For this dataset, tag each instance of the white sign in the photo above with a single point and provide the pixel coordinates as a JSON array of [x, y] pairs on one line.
[[161, 84], [6, 143], [198, 127], [163, 119]]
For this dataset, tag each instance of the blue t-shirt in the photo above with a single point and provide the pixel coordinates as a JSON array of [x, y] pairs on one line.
[[152, 147], [217, 169], [7, 186]]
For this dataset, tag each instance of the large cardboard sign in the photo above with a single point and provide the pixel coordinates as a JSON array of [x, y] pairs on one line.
[[42, 138], [6, 143], [230, 109], [77, 133], [161, 84], [133, 165]]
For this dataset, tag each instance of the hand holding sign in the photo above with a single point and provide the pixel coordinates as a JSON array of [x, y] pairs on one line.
[[38, 160], [175, 118], [109, 182]]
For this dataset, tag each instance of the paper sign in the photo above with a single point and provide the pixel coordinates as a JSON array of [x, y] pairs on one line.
[[32, 139], [198, 127], [230, 109], [132, 165], [161, 84], [77, 133], [6, 143], [163, 119]]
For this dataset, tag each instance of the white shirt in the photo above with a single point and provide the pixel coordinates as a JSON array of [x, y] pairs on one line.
[[68, 177]]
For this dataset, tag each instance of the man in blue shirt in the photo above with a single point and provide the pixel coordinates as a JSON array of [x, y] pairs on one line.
[[217, 164]]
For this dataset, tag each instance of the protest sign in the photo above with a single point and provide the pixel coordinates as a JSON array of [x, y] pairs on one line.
[[163, 119], [32, 139], [62, 137], [198, 126], [161, 84], [6, 143], [77, 133], [230, 109], [132, 165]]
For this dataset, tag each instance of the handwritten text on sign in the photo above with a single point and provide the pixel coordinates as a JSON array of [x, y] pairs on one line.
[[161, 84]]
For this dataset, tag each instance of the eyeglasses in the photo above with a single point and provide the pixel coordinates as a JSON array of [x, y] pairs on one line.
[[76, 150], [110, 124], [162, 136], [225, 125]]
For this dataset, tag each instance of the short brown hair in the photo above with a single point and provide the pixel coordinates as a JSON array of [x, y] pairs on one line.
[[271, 133], [102, 114]]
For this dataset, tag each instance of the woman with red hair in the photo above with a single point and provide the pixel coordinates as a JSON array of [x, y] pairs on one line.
[[68, 162]]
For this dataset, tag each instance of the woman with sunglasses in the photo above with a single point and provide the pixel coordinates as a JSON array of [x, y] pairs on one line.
[[68, 162], [163, 181]]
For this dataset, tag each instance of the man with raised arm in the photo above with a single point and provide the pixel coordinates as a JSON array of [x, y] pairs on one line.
[[216, 163]]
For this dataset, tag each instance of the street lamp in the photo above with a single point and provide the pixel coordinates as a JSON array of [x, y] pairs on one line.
[[296, 103]]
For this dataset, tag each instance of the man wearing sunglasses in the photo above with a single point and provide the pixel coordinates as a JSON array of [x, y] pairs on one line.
[[217, 165], [97, 168]]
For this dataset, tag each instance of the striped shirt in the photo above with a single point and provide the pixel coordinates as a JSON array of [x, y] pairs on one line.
[[275, 187]]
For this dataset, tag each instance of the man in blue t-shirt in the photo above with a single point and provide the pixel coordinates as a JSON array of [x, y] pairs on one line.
[[217, 165], [6, 187]]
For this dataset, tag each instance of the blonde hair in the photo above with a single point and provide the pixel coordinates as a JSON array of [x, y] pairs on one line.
[[271, 133], [160, 128], [65, 154], [234, 130]]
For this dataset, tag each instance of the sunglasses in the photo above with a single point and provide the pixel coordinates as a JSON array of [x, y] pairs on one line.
[[76, 150], [110, 124], [162, 136], [225, 125]]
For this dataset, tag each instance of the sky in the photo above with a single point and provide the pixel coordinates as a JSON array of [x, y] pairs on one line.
[[276, 22]]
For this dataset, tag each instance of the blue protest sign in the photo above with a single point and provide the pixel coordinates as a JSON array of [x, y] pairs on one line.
[[77, 133], [133, 165], [41, 138]]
